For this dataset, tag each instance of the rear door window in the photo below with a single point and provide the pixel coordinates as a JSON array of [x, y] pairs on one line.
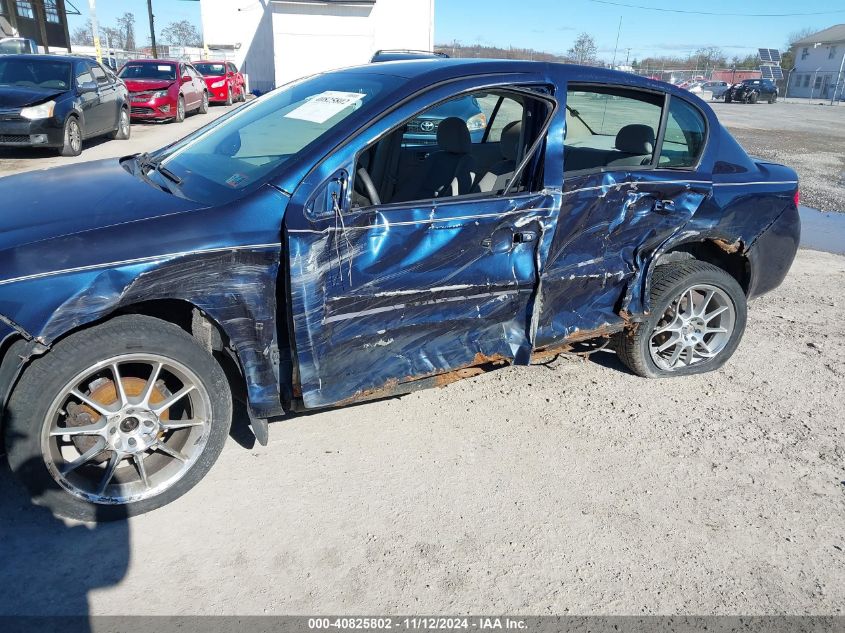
[[608, 127]]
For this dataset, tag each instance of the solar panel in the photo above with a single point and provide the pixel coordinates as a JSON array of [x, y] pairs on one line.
[[771, 72], [769, 55]]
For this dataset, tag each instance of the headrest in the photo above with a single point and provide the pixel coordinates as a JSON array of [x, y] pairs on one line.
[[509, 144], [453, 136], [635, 139]]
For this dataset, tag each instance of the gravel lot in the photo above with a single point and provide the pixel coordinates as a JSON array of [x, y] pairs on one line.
[[568, 488], [808, 138]]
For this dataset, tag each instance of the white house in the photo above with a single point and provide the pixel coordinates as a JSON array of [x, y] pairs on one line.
[[819, 65], [276, 41]]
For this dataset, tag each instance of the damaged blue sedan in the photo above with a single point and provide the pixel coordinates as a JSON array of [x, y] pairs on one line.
[[304, 252]]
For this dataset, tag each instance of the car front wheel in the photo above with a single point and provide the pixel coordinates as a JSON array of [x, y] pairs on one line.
[[72, 139], [117, 420], [123, 126], [180, 110], [696, 323]]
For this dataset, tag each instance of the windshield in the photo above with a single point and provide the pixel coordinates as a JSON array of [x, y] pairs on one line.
[[210, 69], [13, 46], [148, 71], [35, 73], [219, 162]]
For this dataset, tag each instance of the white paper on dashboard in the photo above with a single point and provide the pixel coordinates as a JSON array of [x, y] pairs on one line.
[[324, 106]]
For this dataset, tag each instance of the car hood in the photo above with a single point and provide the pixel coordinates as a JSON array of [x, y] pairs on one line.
[[140, 85], [75, 199], [19, 97]]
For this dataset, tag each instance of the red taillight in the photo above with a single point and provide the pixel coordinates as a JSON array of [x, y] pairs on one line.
[[797, 197]]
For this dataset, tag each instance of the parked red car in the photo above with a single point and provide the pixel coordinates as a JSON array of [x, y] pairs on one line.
[[164, 89], [225, 83]]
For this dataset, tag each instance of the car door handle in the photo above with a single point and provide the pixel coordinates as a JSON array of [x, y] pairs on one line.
[[523, 237], [664, 206]]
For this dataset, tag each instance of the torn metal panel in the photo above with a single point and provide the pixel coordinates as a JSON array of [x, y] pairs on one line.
[[412, 292], [232, 278]]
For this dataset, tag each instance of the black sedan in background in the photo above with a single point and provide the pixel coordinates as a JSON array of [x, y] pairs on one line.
[[752, 91], [59, 101]]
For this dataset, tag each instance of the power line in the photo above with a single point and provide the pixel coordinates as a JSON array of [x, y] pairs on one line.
[[733, 15]]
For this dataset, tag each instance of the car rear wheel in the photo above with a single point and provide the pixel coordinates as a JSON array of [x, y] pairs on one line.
[[203, 109], [180, 110], [72, 139], [696, 323], [118, 420], [124, 128], [773, 98]]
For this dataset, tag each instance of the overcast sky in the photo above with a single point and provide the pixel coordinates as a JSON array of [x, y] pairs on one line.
[[552, 25]]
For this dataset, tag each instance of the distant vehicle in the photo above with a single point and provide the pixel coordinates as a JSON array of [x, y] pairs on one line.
[[164, 89], [59, 101], [18, 46], [423, 130], [715, 88], [404, 55], [225, 84], [752, 91]]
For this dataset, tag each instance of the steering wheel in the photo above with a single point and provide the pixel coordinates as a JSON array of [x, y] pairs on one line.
[[365, 179]]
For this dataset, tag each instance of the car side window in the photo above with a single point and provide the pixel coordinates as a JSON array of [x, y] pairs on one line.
[[231, 67], [99, 75], [609, 127], [83, 75], [500, 111], [683, 141], [182, 70], [439, 153]]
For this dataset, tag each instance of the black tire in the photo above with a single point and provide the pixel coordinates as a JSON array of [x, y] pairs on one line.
[[667, 283], [72, 138], [229, 99], [180, 110], [728, 99], [47, 375], [753, 98], [124, 126], [203, 109], [773, 98]]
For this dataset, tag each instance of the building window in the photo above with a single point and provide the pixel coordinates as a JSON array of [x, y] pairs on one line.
[[806, 81], [804, 53], [52, 11], [25, 9], [818, 83], [831, 53]]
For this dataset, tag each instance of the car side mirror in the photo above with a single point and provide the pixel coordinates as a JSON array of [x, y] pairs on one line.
[[87, 86], [186, 79]]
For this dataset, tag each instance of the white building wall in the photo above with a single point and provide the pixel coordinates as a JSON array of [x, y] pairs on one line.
[[277, 41], [816, 70]]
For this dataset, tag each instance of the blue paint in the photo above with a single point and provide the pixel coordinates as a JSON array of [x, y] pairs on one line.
[[322, 308]]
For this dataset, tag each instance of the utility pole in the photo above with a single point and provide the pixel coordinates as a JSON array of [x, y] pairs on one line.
[[95, 30], [152, 27]]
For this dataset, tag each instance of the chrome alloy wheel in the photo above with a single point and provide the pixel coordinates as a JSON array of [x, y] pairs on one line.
[[126, 429], [694, 328], [74, 136], [124, 123]]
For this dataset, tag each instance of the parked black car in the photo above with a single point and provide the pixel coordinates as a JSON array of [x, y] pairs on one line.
[[752, 91], [59, 101]]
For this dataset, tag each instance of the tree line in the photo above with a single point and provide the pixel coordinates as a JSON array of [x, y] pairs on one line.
[[585, 51], [122, 34]]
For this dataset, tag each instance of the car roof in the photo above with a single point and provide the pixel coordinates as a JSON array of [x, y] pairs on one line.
[[45, 58], [441, 69], [155, 61]]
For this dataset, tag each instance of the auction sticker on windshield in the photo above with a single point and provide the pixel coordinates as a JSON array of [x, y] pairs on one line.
[[324, 106]]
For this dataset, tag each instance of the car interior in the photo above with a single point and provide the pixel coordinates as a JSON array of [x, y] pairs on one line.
[[610, 128], [399, 168]]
